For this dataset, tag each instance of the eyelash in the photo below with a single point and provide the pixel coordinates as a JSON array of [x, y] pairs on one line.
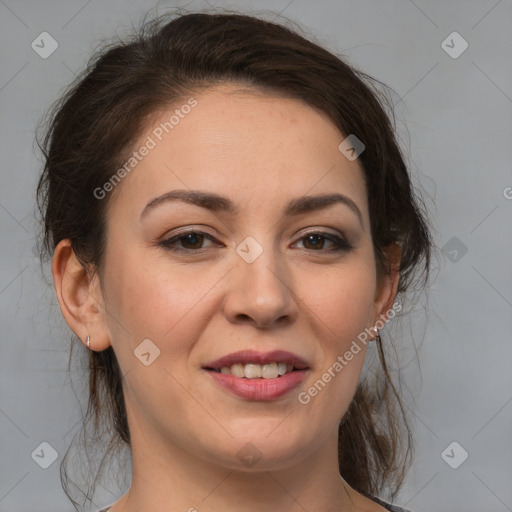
[[340, 243]]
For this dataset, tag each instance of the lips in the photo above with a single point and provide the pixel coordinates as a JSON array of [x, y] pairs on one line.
[[266, 388], [259, 389], [244, 357]]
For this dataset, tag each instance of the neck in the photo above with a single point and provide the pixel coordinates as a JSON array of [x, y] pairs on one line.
[[174, 479]]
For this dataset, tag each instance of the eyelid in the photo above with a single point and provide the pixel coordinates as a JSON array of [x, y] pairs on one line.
[[317, 230], [199, 229]]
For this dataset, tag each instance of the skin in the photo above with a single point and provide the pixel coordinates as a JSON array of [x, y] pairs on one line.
[[260, 151]]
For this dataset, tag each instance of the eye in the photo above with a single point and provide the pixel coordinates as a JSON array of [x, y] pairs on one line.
[[315, 240], [191, 241]]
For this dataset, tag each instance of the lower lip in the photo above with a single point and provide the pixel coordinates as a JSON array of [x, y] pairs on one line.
[[259, 389]]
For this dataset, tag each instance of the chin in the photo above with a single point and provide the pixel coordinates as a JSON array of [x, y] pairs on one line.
[[262, 452]]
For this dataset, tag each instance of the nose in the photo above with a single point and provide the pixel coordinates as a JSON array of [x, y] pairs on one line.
[[261, 292]]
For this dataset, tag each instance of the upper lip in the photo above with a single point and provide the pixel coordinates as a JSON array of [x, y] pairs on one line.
[[251, 356]]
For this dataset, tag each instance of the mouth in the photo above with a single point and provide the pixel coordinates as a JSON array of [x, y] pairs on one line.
[[257, 371], [249, 364], [258, 376]]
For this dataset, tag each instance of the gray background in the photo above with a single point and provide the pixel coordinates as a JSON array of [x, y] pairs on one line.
[[455, 119]]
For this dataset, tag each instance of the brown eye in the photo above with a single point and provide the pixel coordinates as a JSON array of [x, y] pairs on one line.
[[190, 241], [316, 241]]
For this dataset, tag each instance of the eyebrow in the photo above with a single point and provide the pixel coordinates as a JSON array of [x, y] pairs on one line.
[[217, 203]]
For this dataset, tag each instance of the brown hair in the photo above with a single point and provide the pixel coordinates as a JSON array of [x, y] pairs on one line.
[[94, 125]]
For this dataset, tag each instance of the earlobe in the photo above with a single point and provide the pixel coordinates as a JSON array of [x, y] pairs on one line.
[[78, 297]]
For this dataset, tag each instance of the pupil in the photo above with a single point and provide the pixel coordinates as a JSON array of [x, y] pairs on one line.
[[193, 238], [311, 239]]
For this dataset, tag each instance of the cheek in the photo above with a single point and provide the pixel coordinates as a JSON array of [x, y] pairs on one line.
[[341, 308], [341, 300], [168, 304]]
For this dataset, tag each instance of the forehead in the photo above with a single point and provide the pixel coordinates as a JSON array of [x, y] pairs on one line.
[[244, 143]]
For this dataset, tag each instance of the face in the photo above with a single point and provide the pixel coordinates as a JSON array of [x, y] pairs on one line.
[[258, 270]]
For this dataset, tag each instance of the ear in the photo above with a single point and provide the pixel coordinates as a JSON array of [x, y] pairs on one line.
[[80, 297], [387, 284]]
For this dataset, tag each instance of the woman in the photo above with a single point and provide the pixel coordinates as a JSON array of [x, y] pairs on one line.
[[231, 223]]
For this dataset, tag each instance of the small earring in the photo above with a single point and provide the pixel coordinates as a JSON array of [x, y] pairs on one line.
[[376, 334], [88, 341]]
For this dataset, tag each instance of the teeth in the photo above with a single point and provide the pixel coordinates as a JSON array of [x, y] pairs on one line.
[[237, 370], [252, 371], [269, 371], [257, 371]]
